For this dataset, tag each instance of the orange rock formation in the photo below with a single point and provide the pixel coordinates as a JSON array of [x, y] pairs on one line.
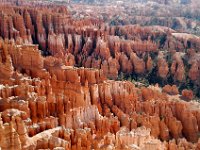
[[48, 103]]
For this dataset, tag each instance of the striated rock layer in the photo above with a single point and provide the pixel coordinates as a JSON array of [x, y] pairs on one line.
[[48, 103], [158, 54]]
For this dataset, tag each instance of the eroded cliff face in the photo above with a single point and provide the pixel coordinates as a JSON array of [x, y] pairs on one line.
[[158, 54], [46, 104], [55, 91]]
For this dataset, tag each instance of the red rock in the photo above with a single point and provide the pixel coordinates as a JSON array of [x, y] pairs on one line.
[[149, 64], [138, 64], [164, 131], [174, 126], [126, 65], [190, 127], [187, 94], [194, 71], [56, 43], [69, 59], [177, 67], [102, 50], [47, 103], [172, 90], [163, 68]]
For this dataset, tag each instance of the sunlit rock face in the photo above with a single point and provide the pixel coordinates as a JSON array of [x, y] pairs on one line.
[[46, 104], [132, 50], [56, 92]]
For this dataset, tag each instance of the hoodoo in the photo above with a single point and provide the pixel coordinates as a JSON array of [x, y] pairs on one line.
[[81, 75]]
